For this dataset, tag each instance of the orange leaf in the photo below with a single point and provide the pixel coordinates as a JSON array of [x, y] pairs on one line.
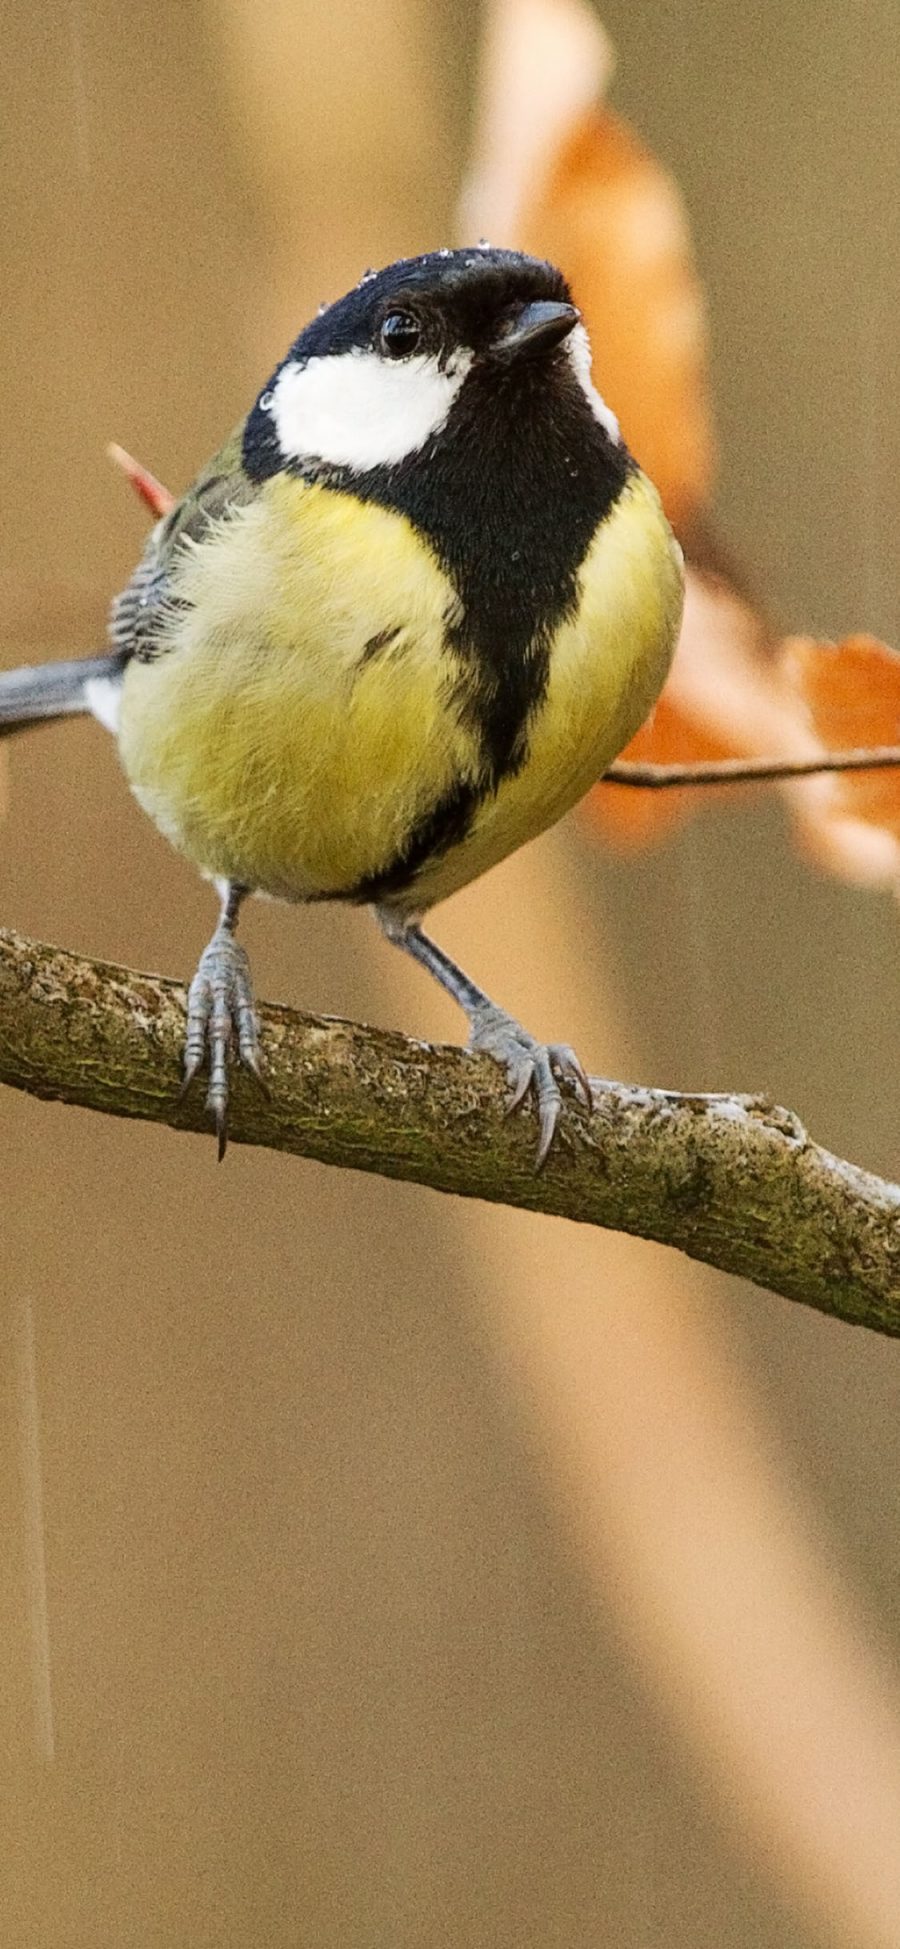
[[851, 695]]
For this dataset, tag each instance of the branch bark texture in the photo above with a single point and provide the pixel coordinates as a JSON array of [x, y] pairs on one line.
[[732, 1180]]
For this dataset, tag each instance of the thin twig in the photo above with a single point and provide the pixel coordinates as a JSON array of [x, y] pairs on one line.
[[745, 771], [732, 1180]]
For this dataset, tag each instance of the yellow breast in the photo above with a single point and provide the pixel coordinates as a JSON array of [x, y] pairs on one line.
[[268, 742], [302, 717]]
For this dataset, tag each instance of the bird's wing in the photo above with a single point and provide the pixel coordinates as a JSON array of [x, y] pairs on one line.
[[138, 615]]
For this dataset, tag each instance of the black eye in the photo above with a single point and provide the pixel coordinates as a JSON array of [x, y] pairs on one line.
[[400, 334]]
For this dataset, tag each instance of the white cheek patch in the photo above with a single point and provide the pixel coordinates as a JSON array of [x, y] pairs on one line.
[[358, 410], [579, 346]]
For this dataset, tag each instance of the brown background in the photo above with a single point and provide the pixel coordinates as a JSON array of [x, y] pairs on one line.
[[298, 1645]]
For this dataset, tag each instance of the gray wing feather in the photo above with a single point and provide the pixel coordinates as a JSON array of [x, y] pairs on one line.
[[138, 616], [44, 691]]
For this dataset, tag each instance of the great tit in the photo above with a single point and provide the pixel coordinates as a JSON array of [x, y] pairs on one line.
[[398, 626]]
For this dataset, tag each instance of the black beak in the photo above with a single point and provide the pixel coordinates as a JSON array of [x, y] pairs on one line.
[[536, 328]]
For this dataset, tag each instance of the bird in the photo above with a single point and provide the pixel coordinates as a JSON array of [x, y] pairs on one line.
[[398, 626]]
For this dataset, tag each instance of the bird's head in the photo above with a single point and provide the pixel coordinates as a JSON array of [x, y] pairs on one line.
[[379, 375]]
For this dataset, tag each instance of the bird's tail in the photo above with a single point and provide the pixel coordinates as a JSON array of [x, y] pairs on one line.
[[35, 694]]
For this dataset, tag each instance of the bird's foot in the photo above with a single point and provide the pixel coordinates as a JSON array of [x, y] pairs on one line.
[[220, 1007], [538, 1067]]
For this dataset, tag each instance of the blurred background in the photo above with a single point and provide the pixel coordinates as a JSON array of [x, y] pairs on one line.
[[381, 1570]]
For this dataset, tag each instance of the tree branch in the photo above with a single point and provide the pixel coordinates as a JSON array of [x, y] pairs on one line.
[[730, 1180]]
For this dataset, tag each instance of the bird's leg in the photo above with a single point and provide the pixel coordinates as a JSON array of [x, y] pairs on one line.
[[220, 1003], [530, 1065]]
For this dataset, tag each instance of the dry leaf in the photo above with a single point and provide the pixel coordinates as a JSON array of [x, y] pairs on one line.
[[850, 694]]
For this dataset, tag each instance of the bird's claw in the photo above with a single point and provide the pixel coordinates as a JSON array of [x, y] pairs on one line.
[[531, 1066], [221, 1008]]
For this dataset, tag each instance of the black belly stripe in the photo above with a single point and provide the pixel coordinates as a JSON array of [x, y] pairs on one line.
[[446, 825]]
